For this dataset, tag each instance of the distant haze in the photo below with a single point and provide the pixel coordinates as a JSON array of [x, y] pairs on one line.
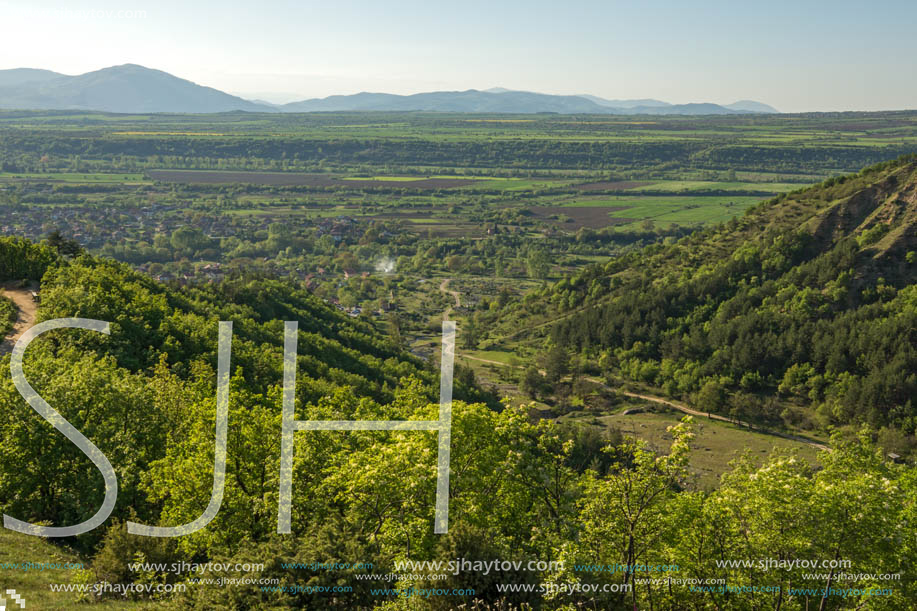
[[137, 89], [795, 56]]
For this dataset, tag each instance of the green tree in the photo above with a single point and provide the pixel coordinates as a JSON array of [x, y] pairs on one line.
[[556, 364], [640, 495], [538, 264]]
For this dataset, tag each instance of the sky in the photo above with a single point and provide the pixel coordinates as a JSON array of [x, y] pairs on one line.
[[801, 55]]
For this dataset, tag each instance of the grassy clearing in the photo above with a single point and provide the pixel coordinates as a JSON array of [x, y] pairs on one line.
[[17, 549], [714, 446], [656, 200], [163, 133], [668, 209], [388, 178], [500, 356], [706, 185]]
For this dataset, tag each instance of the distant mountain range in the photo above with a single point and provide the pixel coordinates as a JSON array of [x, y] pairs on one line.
[[126, 89], [135, 89]]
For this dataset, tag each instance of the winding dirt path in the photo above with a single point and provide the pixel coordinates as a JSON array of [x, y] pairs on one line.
[[443, 288], [668, 403], [27, 312], [675, 405], [687, 410]]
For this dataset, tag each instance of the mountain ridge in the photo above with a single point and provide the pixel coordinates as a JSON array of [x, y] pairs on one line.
[[130, 88]]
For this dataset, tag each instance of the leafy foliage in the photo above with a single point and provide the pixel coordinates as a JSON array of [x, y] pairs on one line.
[[8, 315]]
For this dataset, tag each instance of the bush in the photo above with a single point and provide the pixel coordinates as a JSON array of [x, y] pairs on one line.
[[8, 315], [471, 543], [327, 543], [120, 549]]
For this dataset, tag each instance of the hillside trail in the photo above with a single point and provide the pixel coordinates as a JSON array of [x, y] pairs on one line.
[[28, 310], [443, 288], [674, 405], [653, 399], [668, 403], [693, 412]]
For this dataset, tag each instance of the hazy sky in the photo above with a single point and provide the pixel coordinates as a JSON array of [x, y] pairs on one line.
[[795, 55]]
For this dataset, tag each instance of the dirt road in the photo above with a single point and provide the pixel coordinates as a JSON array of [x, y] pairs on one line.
[[687, 410], [674, 405], [27, 311], [458, 300]]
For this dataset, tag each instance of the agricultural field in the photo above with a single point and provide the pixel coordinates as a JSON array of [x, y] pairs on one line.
[[372, 212]]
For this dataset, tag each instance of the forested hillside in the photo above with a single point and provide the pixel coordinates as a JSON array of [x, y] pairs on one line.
[[535, 493], [805, 308], [150, 381], [808, 300]]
